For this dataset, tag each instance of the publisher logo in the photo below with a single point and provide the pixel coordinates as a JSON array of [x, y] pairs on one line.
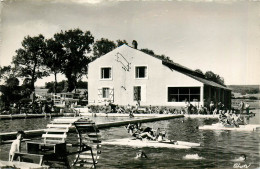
[[238, 165]]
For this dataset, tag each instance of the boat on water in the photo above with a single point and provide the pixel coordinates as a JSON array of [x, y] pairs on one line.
[[220, 126], [133, 142]]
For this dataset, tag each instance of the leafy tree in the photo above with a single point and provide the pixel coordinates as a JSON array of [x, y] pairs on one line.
[[76, 44], [5, 72], [54, 59], [148, 51], [102, 47], [59, 86], [121, 42], [199, 71], [82, 85], [151, 52], [28, 60], [10, 92], [214, 77]]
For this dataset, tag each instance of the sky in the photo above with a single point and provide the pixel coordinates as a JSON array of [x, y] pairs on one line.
[[220, 36]]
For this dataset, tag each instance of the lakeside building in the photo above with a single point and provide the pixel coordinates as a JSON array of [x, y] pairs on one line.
[[127, 75]]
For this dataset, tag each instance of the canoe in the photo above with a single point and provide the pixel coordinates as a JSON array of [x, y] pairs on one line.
[[149, 143], [219, 126]]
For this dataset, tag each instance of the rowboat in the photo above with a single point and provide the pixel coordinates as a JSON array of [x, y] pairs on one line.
[[132, 142], [220, 126]]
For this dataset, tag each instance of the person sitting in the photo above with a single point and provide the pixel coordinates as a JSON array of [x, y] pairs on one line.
[[215, 111], [112, 107], [120, 110], [149, 110], [235, 119], [160, 135], [202, 110], [222, 117], [16, 145], [146, 135]]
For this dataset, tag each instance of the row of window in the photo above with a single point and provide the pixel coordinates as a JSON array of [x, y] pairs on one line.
[[140, 72], [175, 94]]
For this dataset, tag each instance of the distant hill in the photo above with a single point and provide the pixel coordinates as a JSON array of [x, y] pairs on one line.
[[245, 89]]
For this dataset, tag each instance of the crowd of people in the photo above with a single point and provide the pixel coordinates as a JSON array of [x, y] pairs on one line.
[[230, 117], [145, 133]]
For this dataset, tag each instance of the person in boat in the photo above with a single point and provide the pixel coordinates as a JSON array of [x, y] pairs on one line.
[[16, 145]]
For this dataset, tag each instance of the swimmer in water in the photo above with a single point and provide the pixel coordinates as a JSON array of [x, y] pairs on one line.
[[241, 158], [141, 154]]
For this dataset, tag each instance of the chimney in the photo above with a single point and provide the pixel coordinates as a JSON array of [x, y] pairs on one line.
[[134, 44]]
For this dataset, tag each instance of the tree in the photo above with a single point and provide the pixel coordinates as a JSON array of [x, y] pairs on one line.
[[28, 60], [82, 85], [76, 44], [199, 71], [121, 42], [102, 47], [148, 51], [5, 72], [59, 86], [54, 59], [214, 77], [10, 92]]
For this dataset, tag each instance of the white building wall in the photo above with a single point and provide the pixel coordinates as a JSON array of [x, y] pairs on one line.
[[154, 87]]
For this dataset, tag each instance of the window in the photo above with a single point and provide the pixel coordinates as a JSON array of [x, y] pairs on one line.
[[106, 73], [137, 93], [140, 72], [105, 92], [181, 94]]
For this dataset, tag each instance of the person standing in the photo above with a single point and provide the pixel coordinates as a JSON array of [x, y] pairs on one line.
[[241, 107], [247, 108], [211, 107], [16, 145]]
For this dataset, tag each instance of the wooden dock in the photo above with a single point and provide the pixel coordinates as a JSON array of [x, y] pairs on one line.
[[27, 116], [4, 137]]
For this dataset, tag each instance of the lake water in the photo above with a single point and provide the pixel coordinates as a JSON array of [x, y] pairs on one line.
[[218, 150]]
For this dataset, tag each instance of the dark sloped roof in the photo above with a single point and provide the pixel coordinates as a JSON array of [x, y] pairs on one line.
[[193, 74], [208, 82]]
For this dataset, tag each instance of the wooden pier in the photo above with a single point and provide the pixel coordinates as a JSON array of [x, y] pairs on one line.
[[27, 116]]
